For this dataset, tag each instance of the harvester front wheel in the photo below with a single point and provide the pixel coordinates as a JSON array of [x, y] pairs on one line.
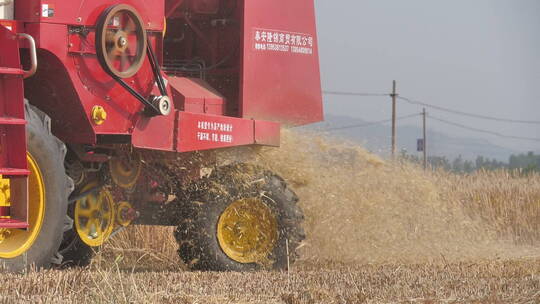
[[240, 219], [48, 190]]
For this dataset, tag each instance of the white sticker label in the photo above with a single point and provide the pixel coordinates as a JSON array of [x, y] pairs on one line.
[[47, 10], [266, 40]]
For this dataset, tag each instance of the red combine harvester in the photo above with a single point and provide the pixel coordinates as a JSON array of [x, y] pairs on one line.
[[107, 109]]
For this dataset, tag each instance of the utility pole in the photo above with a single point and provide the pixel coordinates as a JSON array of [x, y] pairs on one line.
[[394, 97], [425, 142]]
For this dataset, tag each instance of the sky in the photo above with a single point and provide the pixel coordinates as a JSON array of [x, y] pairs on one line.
[[479, 56]]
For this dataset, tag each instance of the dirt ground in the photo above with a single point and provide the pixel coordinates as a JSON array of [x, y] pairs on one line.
[[510, 281]]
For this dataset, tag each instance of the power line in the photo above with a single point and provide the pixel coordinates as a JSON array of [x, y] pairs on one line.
[[444, 109], [466, 113], [370, 123], [338, 93], [482, 130]]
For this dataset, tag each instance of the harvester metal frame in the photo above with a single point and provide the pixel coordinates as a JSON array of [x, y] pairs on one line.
[[241, 70]]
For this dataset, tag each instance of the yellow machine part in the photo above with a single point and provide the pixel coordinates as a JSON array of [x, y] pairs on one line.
[[99, 115], [125, 172], [121, 209], [15, 242], [4, 193], [95, 216], [247, 231]]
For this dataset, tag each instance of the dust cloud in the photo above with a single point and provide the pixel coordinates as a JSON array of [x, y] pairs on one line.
[[361, 208]]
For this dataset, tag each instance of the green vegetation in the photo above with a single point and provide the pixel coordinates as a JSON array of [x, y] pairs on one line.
[[525, 163]]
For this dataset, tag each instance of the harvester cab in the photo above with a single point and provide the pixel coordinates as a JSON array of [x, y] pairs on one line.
[[106, 109]]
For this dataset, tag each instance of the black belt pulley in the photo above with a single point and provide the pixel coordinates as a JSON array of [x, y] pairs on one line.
[[121, 47]]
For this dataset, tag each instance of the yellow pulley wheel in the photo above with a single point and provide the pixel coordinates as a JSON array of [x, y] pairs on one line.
[[247, 231], [122, 214], [125, 170], [95, 216], [14, 242]]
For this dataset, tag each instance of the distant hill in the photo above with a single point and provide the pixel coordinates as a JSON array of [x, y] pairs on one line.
[[377, 138]]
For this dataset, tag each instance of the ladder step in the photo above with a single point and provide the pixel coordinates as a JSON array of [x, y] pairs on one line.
[[12, 121], [14, 172], [13, 224], [11, 71], [4, 211]]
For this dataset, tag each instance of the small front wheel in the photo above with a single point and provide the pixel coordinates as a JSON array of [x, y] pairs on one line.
[[241, 218]]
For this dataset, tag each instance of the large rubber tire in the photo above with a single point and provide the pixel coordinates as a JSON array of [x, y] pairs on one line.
[[74, 252], [48, 152], [197, 237]]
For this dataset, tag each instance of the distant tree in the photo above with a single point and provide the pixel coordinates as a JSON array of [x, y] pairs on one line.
[[479, 162], [529, 162], [457, 165], [440, 162], [468, 166]]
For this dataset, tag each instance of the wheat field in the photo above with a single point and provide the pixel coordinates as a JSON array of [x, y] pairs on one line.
[[378, 231]]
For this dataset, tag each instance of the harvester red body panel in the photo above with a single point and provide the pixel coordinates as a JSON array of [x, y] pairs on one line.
[[280, 73], [234, 70]]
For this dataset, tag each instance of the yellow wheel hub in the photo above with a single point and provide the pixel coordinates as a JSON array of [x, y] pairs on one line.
[[15, 242], [125, 170], [122, 216], [94, 216], [247, 231]]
